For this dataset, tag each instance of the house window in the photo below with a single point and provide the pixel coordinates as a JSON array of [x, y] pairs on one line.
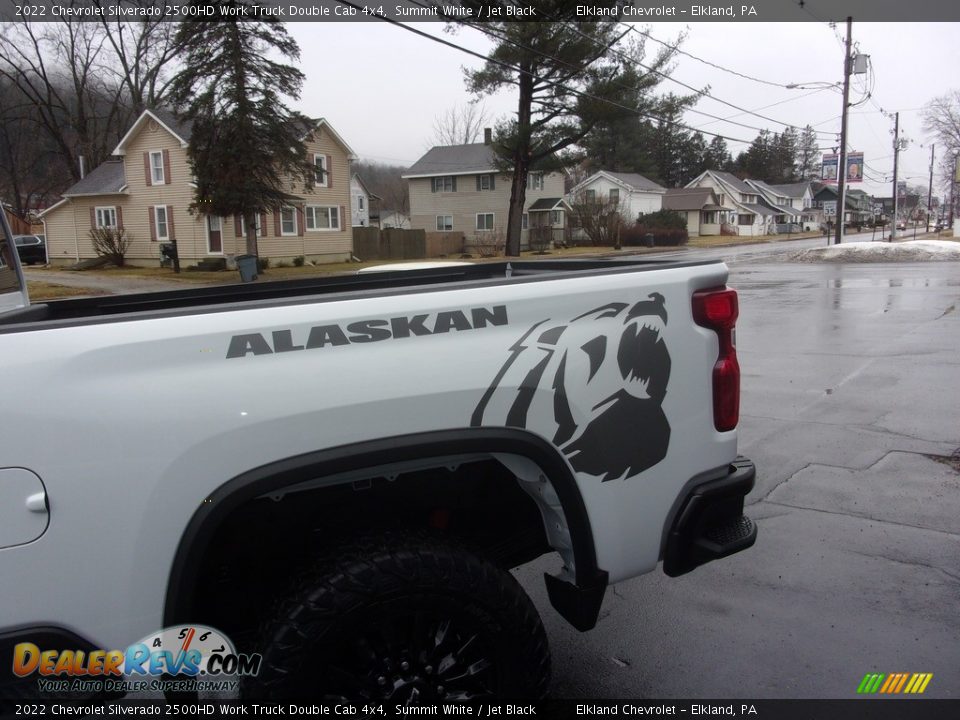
[[745, 219], [485, 182], [320, 176], [444, 222], [484, 221], [106, 217], [160, 218], [288, 221], [243, 226], [359, 202], [524, 221], [555, 217], [614, 196], [591, 196], [322, 218], [710, 217], [156, 168], [535, 181], [444, 184]]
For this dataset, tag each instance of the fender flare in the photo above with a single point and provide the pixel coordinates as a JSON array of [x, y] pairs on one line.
[[208, 518]]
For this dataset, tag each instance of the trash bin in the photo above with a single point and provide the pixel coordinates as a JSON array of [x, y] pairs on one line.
[[648, 240], [247, 265]]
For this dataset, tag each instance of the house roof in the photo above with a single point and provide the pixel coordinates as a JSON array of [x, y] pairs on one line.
[[733, 181], [758, 209], [167, 120], [544, 204], [105, 179], [793, 190], [689, 199], [635, 181], [454, 160], [763, 187]]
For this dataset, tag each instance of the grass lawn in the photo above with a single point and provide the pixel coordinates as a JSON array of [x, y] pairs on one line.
[[40, 290]]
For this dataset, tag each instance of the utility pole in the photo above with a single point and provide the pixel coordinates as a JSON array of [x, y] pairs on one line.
[[930, 189], [896, 156], [842, 159], [953, 188]]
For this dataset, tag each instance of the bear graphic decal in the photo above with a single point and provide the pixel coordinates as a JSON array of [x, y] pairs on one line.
[[595, 385]]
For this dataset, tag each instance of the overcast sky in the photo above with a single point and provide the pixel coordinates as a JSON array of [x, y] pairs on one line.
[[382, 86]]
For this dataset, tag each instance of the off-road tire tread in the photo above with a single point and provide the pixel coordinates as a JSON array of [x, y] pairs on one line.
[[365, 569]]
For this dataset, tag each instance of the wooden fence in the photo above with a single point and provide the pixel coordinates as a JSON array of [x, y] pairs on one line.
[[370, 243]]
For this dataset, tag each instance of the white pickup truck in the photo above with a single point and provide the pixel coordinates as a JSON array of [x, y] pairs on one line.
[[321, 485]]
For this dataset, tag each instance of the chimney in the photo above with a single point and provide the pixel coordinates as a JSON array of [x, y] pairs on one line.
[[487, 136]]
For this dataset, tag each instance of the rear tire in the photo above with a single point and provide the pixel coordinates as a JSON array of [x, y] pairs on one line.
[[400, 619]]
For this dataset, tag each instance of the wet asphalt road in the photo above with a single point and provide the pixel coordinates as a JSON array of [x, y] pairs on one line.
[[851, 385]]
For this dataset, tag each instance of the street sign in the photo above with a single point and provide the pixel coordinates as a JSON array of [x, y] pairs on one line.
[[829, 207]]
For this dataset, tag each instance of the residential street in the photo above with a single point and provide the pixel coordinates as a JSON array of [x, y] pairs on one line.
[[850, 385]]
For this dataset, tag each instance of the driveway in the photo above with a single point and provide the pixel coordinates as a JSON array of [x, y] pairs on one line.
[[116, 284]]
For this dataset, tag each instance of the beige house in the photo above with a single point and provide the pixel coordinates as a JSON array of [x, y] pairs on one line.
[[147, 189], [748, 216], [458, 188], [699, 206]]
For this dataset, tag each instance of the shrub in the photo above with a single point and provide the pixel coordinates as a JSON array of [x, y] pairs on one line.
[[263, 264], [637, 235], [299, 261], [111, 243], [666, 219]]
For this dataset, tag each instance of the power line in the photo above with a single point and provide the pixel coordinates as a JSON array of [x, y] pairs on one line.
[[574, 91]]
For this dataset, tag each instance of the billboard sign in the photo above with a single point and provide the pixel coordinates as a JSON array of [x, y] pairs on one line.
[[828, 168], [855, 167]]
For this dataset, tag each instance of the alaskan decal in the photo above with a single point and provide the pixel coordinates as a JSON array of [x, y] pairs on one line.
[[365, 331], [595, 384]]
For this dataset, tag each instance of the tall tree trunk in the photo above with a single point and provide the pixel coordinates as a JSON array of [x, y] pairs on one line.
[[250, 225], [521, 158]]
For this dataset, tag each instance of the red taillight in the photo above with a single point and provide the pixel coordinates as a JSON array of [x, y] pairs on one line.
[[718, 310]]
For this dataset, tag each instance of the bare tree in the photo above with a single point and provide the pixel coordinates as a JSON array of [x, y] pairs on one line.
[[385, 182], [941, 118], [460, 125], [84, 82], [600, 219]]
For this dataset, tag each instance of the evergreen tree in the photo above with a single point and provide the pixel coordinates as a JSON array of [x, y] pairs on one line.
[[783, 158], [808, 155], [716, 157], [245, 144], [564, 72]]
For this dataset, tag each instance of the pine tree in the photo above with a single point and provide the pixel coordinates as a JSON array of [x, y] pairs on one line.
[[245, 144], [716, 157], [570, 77], [808, 156]]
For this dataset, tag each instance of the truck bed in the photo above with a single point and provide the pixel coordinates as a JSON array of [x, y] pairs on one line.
[[225, 298]]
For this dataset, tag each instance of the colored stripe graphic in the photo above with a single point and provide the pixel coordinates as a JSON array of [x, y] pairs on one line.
[[894, 683]]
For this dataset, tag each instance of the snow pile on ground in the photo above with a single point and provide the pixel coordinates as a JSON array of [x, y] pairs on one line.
[[911, 251]]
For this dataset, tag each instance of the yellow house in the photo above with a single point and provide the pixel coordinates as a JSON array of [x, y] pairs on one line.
[[147, 189]]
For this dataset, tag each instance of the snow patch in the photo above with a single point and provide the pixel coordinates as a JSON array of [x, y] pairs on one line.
[[911, 251]]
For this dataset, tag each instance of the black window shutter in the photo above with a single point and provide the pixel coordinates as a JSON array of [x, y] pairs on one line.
[[454, 183], [478, 181], [492, 186]]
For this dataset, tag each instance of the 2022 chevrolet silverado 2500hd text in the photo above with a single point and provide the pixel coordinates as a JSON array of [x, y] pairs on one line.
[[320, 486]]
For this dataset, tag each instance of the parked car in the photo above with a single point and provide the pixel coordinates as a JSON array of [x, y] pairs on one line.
[[902, 225], [31, 249]]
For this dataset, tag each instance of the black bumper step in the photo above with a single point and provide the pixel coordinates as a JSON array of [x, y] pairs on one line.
[[710, 524]]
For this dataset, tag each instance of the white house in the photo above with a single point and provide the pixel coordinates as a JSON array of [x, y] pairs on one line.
[[634, 193], [360, 201]]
